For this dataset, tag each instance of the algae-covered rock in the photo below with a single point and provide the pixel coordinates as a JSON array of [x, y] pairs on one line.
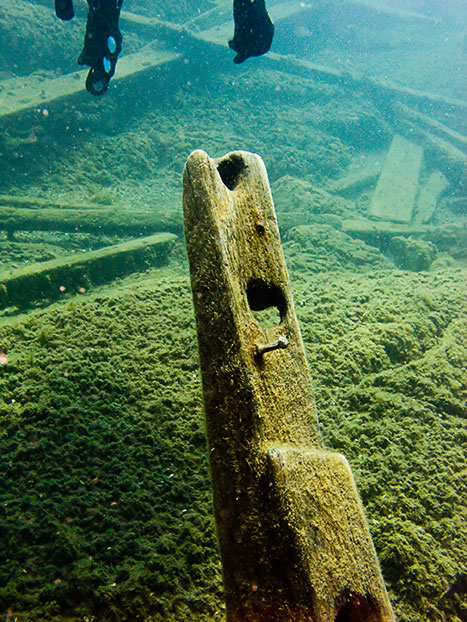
[[297, 201], [412, 254], [106, 493], [318, 247]]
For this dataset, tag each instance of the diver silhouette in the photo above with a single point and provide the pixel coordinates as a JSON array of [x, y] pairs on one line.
[[253, 35], [102, 41], [253, 29]]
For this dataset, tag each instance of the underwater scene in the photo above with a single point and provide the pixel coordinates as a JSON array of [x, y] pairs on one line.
[[359, 110]]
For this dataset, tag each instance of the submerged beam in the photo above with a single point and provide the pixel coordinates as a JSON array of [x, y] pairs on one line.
[[427, 200], [294, 542], [32, 216], [397, 185], [75, 273], [20, 94]]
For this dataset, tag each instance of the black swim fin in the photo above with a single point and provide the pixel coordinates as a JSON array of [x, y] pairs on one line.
[[254, 29], [102, 44]]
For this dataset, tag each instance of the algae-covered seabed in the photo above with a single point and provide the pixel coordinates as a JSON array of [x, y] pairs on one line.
[[105, 497]]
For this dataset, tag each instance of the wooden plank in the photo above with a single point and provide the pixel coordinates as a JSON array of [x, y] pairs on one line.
[[360, 177], [442, 154], [451, 237], [458, 140], [396, 189], [17, 200], [75, 273], [20, 94], [428, 197], [89, 219], [393, 12]]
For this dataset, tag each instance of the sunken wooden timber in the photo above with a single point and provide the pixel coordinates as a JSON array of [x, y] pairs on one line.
[[20, 94], [32, 214], [80, 272], [450, 238], [294, 542], [429, 195], [395, 192]]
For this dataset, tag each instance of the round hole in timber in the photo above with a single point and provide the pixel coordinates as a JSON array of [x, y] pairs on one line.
[[230, 170], [267, 302]]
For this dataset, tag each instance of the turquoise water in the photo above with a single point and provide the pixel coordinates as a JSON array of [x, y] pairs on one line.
[[359, 113]]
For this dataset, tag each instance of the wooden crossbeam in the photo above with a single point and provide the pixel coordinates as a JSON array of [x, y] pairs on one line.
[[25, 214], [19, 94]]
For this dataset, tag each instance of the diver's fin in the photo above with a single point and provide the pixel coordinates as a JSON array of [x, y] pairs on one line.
[[102, 45]]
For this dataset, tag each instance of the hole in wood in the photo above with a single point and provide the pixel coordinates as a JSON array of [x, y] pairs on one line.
[[267, 303], [230, 170], [357, 609]]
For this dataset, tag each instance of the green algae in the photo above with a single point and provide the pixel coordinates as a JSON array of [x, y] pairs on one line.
[[105, 500], [106, 495], [108, 507], [390, 384]]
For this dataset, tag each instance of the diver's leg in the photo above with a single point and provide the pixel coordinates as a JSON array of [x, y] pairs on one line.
[[102, 44]]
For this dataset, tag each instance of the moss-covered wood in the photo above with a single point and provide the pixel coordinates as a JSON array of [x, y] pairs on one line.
[[75, 273], [450, 238], [90, 219], [394, 197], [281, 501]]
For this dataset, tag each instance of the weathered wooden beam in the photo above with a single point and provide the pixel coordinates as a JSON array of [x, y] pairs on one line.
[[19, 94], [428, 197], [74, 273], [32, 214], [352, 184], [294, 542], [397, 185], [457, 139], [450, 237], [442, 154], [392, 12]]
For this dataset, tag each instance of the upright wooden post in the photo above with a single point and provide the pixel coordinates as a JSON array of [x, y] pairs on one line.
[[294, 542]]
